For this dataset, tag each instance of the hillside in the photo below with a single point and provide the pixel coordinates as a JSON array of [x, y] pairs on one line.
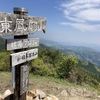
[[85, 53], [82, 53], [88, 66], [60, 88]]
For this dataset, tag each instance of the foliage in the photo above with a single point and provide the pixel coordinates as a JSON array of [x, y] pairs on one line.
[[5, 61], [67, 66], [46, 63], [89, 67]]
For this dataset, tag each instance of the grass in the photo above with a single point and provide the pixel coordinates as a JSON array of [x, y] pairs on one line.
[[36, 81], [5, 81], [48, 79], [61, 82]]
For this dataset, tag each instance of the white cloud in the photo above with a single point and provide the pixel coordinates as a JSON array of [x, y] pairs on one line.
[[80, 13], [83, 27], [89, 15]]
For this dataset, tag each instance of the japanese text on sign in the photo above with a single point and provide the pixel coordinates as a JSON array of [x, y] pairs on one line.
[[21, 57], [21, 43], [13, 24], [19, 26]]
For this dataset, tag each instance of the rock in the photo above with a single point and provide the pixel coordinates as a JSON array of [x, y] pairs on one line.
[[31, 95], [99, 96], [37, 98], [79, 92], [68, 89], [94, 95], [7, 92], [87, 94], [7, 97], [51, 97], [40, 93], [71, 91], [0, 96], [63, 93], [46, 98]]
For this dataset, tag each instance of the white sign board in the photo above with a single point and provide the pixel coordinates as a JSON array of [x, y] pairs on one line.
[[14, 24], [21, 57], [24, 80], [12, 44]]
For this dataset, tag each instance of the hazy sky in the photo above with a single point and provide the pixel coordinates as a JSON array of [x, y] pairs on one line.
[[67, 20]]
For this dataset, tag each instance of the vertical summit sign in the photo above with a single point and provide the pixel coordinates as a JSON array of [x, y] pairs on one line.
[[15, 24]]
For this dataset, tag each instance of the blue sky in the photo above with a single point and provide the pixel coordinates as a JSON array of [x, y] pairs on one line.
[[67, 20]]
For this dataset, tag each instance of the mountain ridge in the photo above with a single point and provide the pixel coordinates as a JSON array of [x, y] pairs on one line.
[[81, 52]]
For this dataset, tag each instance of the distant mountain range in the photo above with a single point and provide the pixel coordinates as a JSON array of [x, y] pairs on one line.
[[82, 53], [88, 66], [48, 42], [89, 54], [53, 43]]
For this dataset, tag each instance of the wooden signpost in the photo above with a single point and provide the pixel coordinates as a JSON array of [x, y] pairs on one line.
[[12, 44], [17, 24], [20, 25], [21, 57]]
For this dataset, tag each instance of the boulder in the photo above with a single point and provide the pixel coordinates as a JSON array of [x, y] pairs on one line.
[[7, 92], [40, 93], [63, 93], [31, 95], [7, 97], [51, 97]]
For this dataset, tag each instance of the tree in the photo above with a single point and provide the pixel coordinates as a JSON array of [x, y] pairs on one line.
[[66, 67]]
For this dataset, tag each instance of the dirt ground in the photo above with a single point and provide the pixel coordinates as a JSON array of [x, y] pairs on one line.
[[48, 87]]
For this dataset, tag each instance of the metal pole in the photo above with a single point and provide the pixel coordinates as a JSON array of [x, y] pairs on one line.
[[17, 96]]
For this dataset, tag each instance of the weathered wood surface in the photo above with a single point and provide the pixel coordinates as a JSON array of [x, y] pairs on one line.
[[21, 57], [24, 79], [14, 24], [12, 44], [13, 76]]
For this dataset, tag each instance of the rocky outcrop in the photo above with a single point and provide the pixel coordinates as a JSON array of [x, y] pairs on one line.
[[7, 95], [66, 94], [39, 95], [77, 93], [31, 95]]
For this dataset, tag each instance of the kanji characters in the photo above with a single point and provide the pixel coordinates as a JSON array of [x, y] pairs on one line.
[[19, 25], [32, 26], [5, 25]]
